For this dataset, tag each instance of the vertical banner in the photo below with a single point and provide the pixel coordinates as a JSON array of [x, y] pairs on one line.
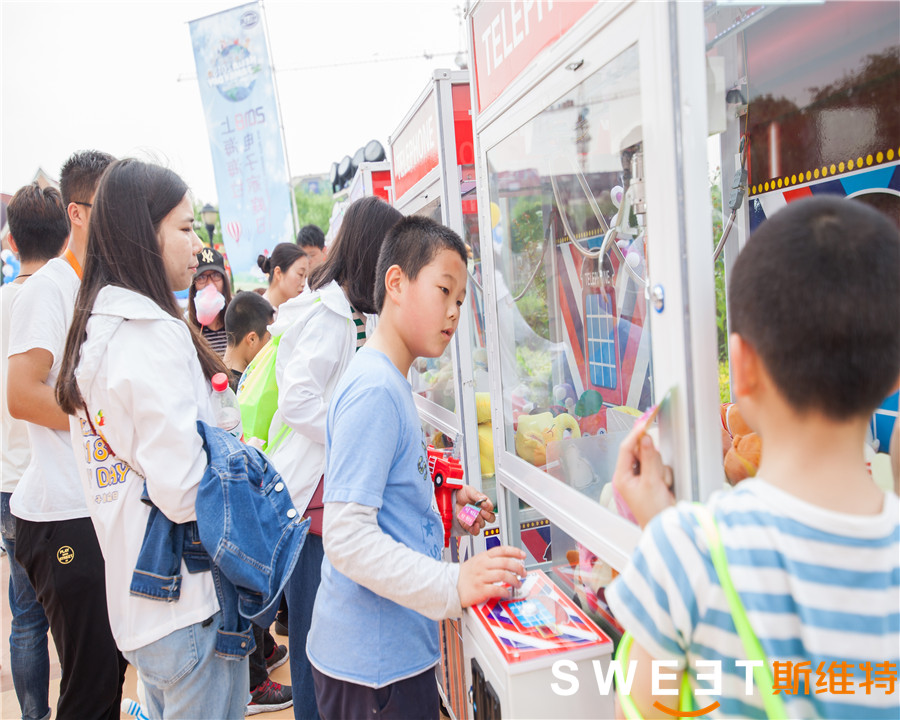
[[238, 95]]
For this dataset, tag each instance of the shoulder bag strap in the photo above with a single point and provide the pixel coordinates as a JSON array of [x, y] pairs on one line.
[[774, 705], [630, 710]]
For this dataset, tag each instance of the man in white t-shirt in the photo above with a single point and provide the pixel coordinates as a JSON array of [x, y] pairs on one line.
[[56, 543], [38, 231]]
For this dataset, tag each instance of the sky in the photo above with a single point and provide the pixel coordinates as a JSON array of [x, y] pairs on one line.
[[120, 77]]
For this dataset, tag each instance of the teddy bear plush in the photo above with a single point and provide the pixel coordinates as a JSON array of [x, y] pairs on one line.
[[741, 447]]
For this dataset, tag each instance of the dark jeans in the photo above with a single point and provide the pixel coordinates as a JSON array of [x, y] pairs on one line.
[[29, 659], [65, 567], [410, 699], [265, 646], [301, 596]]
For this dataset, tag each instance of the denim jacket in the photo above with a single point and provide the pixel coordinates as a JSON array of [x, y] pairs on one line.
[[247, 533]]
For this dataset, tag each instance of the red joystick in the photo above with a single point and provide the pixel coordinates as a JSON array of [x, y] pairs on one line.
[[444, 470]]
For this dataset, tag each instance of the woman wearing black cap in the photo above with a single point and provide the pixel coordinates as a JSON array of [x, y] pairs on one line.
[[210, 270]]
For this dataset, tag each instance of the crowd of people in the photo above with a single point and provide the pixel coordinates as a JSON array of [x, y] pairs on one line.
[[110, 444]]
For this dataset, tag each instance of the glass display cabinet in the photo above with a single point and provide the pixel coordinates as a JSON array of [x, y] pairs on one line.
[[594, 207]]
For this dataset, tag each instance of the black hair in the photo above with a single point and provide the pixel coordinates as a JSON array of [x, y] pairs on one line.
[[80, 174], [353, 255], [311, 236], [247, 312], [38, 222], [411, 244], [123, 250], [283, 256], [816, 293]]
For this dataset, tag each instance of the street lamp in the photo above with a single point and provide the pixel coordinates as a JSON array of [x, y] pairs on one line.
[[209, 214]]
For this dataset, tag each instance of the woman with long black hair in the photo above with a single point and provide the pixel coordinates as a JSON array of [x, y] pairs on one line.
[[137, 376]]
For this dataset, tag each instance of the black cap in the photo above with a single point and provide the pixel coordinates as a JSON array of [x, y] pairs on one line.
[[211, 259]]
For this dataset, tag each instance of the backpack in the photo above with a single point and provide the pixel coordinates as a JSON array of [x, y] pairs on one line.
[[258, 392]]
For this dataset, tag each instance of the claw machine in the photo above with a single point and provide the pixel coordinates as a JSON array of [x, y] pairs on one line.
[[432, 156], [371, 178], [591, 165]]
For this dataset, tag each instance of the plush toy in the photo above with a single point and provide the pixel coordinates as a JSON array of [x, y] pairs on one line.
[[591, 413], [485, 433], [741, 447], [534, 432]]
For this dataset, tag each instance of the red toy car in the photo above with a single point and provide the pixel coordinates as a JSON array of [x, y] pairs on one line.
[[442, 466], [444, 470]]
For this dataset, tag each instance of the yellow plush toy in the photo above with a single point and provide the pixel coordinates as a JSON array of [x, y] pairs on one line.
[[485, 432], [534, 432]]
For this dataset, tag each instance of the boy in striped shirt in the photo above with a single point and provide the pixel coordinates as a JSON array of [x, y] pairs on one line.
[[813, 545]]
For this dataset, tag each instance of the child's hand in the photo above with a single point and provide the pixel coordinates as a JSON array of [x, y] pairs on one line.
[[467, 495], [479, 575], [641, 478]]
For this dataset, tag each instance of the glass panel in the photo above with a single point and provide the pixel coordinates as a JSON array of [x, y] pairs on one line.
[[568, 236], [808, 98], [433, 378], [817, 88], [477, 340]]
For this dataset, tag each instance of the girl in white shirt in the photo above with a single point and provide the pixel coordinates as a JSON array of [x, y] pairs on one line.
[[136, 377]]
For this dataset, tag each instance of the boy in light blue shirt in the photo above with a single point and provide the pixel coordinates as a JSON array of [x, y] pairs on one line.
[[374, 638]]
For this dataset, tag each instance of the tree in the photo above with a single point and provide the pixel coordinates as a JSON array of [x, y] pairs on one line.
[[314, 208]]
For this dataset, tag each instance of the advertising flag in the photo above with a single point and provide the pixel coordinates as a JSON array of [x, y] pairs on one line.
[[239, 103]]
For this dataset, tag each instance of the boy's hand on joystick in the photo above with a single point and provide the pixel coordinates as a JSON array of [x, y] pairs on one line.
[[481, 576]]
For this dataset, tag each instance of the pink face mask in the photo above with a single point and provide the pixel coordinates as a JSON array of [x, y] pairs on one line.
[[208, 303]]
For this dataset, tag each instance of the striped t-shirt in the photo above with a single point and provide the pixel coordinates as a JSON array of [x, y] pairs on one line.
[[817, 585], [360, 321], [217, 339]]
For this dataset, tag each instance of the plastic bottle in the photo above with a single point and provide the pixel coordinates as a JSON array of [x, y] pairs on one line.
[[225, 406]]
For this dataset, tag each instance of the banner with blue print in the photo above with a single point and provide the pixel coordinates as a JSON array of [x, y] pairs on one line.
[[241, 111]]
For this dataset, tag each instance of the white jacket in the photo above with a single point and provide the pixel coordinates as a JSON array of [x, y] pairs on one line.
[[141, 380], [313, 353]]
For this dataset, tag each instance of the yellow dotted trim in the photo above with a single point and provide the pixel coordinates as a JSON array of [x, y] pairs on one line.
[[534, 524], [586, 235], [524, 526], [826, 170]]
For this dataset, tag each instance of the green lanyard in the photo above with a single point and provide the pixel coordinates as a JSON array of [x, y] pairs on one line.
[[773, 704]]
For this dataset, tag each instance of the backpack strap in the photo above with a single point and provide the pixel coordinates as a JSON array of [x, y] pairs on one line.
[[773, 704], [630, 710]]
